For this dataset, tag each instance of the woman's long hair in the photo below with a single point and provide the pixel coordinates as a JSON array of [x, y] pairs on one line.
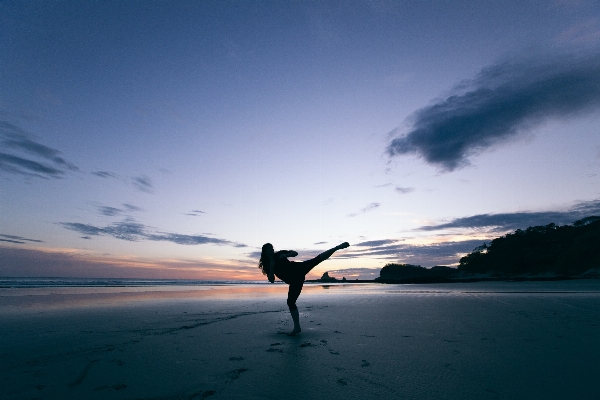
[[265, 262]]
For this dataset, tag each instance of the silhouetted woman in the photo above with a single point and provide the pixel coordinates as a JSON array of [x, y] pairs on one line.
[[293, 273]]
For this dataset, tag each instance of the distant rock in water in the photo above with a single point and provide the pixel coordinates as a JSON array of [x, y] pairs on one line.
[[398, 272], [327, 278]]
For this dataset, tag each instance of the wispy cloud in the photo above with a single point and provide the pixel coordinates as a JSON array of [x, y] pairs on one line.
[[404, 190], [17, 239], [109, 211], [143, 183], [500, 104], [519, 220], [114, 211], [21, 155], [371, 243], [194, 213], [425, 255], [363, 210], [133, 231], [586, 31], [131, 207], [104, 174]]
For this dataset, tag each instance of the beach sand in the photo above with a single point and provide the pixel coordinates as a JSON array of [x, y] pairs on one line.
[[526, 340]]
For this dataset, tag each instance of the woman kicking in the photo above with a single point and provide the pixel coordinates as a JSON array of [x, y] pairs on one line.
[[293, 273]]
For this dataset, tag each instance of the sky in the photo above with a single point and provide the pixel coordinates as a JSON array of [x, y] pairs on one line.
[[153, 139]]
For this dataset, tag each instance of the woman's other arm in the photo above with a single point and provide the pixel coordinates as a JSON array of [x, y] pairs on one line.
[[271, 271], [288, 253]]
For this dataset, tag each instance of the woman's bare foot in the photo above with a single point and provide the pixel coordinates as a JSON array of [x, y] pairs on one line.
[[343, 246], [294, 331]]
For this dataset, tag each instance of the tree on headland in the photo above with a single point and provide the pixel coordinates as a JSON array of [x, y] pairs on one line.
[[568, 249], [393, 271]]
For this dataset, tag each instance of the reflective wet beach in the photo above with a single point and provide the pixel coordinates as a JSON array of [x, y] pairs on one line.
[[480, 340]]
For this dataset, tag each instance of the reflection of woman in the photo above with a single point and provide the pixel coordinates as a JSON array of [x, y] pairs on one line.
[[293, 273]]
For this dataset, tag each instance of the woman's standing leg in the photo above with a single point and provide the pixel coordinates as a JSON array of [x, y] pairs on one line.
[[293, 294]]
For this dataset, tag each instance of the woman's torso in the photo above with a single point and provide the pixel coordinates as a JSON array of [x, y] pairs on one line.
[[284, 268]]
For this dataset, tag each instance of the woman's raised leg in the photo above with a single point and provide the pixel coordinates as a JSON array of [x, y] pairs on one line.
[[326, 254], [313, 262]]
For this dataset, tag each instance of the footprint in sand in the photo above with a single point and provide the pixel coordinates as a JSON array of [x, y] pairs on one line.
[[274, 351], [365, 364], [83, 374], [118, 386], [236, 358], [342, 382], [233, 375]]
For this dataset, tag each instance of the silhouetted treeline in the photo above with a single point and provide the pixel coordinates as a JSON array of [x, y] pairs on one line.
[[567, 249], [414, 273]]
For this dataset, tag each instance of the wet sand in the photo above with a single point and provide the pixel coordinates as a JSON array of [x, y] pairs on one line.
[[487, 340]]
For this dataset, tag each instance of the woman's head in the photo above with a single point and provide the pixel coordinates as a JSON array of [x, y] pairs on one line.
[[265, 258]]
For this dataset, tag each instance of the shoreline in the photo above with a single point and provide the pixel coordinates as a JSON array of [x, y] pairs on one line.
[[435, 279], [60, 282]]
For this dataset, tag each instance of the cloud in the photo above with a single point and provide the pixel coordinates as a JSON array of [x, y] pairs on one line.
[[500, 104], [194, 213], [133, 231], [446, 253], [11, 241], [17, 239], [404, 190], [109, 211], [131, 207], [254, 255], [368, 208], [22, 155], [113, 211], [143, 183], [519, 220], [104, 174], [372, 243]]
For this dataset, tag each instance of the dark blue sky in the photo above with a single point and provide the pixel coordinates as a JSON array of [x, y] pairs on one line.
[[175, 138]]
